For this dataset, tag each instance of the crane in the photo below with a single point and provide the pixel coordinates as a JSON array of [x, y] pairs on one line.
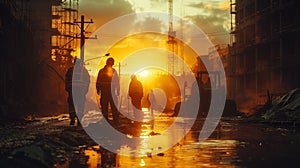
[[172, 43]]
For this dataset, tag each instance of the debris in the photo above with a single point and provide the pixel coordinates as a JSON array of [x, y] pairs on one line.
[[35, 153], [149, 154], [160, 154], [152, 133], [285, 108]]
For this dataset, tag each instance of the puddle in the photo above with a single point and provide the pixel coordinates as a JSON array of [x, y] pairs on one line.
[[232, 144], [94, 157]]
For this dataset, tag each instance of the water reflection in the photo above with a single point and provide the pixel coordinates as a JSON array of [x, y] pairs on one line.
[[142, 163], [210, 153], [94, 157], [217, 151], [100, 157]]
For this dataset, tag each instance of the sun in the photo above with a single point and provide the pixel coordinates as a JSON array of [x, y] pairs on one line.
[[144, 73]]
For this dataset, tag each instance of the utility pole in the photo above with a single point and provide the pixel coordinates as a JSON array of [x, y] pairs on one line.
[[119, 68], [82, 35]]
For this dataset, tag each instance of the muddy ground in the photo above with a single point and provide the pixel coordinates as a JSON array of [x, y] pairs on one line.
[[51, 142]]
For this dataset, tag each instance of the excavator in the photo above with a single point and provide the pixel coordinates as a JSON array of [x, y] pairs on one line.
[[202, 91]]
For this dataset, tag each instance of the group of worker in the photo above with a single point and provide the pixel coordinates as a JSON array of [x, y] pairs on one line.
[[108, 88]]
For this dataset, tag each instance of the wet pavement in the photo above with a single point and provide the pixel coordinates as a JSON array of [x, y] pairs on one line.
[[236, 142]]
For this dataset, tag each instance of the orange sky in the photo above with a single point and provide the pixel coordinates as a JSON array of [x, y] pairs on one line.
[[212, 16], [136, 52]]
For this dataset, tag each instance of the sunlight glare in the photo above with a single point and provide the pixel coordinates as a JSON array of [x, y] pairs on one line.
[[144, 73], [142, 163]]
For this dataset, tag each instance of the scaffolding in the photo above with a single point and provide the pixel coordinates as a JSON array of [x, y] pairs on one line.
[[64, 41], [233, 13], [263, 52]]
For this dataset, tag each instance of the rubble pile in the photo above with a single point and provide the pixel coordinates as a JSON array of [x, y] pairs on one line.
[[283, 108], [42, 143], [286, 107]]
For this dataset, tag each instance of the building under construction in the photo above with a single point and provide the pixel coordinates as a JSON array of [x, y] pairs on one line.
[[64, 41], [263, 54], [38, 40]]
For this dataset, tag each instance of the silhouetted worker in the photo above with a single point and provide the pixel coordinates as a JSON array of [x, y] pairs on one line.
[[77, 84], [152, 101], [108, 87], [197, 66], [135, 92]]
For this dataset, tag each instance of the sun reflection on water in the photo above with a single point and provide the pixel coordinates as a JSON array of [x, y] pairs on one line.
[[189, 152], [94, 157], [142, 163]]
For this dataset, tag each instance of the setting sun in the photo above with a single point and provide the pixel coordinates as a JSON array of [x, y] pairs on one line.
[[144, 73]]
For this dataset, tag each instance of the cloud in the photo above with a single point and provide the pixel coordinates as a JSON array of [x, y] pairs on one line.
[[224, 5], [105, 10], [214, 20], [211, 16], [213, 27], [197, 5], [150, 22]]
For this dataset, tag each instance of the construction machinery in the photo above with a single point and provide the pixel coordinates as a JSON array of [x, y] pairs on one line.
[[201, 94]]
